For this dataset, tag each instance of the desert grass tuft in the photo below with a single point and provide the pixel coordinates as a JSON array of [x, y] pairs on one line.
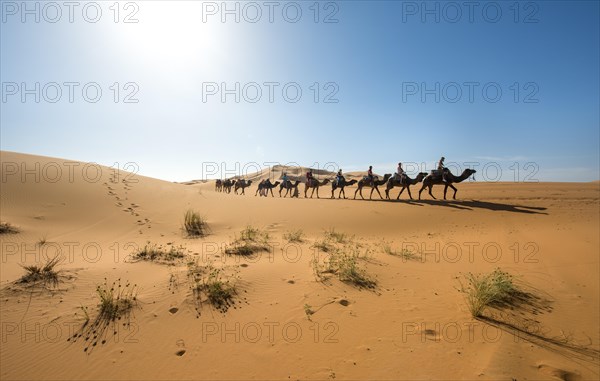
[[252, 240], [45, 275], [484, 290], [116, 300], [213, 284], [294, 236], [405, 254], [7, 228], [158, 253], [194, 225], [337, 237], [346, 263]]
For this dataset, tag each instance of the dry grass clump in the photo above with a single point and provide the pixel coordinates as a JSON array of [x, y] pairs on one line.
[[252, 240], [45, 275], [484, 290], [294, 236], [405, 254], [194, 225], [116, 302], [216, 285], [158, 253], [7, 228], [342, 258]]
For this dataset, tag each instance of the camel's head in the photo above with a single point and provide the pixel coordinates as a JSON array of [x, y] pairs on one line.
[[326, 181], [387, 176], [422, 175], [468, 172], [249, 182]]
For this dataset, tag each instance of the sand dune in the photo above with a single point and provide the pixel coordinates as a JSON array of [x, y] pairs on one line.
[[286, 324]]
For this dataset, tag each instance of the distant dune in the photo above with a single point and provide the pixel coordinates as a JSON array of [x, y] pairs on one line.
[[293, 317]]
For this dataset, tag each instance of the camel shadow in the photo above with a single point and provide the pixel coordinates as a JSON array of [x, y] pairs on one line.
[[475, 204]]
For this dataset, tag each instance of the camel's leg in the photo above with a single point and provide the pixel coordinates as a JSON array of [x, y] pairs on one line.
[[378, 192], [445, 190], [401, 190], [332, 190], [356, 191], [257, 191], [371, 193], [342, 191], [431, 194], [408, 189], [305, 189], [313, 192], [453, 187], [421, 190]]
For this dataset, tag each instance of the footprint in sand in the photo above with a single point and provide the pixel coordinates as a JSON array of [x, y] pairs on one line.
[[344, 302], [180, 352], [173, 310], [557, 373]]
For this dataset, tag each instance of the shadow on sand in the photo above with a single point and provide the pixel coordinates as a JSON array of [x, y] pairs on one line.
[[519, 317], [464, 205]]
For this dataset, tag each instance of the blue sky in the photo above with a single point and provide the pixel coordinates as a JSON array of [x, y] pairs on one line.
[[500, 85]]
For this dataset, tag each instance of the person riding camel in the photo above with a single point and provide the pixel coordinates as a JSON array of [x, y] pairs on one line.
[[339, 178], [370, 174], [442, 169], [309, 177], [285, 179], [400, 173]]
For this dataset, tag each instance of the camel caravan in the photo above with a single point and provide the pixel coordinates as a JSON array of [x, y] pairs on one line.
[[289, 187]]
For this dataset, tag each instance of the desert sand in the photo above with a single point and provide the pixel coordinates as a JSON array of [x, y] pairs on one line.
[[286, 323]]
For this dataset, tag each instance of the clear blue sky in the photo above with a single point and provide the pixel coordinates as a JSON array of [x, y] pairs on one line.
[[378, 59]]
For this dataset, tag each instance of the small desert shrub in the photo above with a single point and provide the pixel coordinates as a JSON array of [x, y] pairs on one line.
[[337, 237], [405, 254], [7, 228], [116, 300], [308, 311], [42, 241], [295, 236], [213, 284], [345, 263], [252, 240], [158, 253], [194, 225], [45, 275], [483, 290], [324, 245]]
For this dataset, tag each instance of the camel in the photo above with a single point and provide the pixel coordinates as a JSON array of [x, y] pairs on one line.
[[227, 184], [435, 178], [242, 184], [366, 183], [314, 184], [219, 186], [266, 186], [343, 183], [288, 186], [392, 182]]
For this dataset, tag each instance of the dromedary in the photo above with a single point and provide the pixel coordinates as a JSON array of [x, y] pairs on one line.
[[406, 183], [227, 184], [341, 184], [243, 184], [266, 186], [219, 185], [435, 178], [366, 183], [288, 186], [314, 184]]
